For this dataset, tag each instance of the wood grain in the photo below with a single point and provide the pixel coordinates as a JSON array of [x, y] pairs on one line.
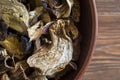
[[105, 64]]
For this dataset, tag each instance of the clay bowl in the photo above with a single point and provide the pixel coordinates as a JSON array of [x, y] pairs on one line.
[[88, 30]]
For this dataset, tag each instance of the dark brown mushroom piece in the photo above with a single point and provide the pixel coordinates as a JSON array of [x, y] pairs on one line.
[[12, 45], [60, 8], [3, 29], [21, 71], [37, 14], [75, 13], [34, 4]]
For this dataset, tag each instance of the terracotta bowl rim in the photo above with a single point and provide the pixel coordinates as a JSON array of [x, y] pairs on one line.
[[93, 39]]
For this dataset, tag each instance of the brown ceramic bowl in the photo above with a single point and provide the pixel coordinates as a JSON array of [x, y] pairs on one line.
[[88, 30]]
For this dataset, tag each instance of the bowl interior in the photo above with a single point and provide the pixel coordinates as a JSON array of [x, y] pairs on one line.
[[87, 28]]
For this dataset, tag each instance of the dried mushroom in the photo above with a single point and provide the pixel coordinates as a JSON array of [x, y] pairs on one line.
[[14, 14], [34, 4], [6, 62], [35, 30], [19, 72], [53, 58], [12, 45], [39, 39], [35, 14], [60, 8], [41, 78], [5, 77]]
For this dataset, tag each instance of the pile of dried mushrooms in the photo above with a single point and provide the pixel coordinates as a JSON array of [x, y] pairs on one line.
[[38, 38]]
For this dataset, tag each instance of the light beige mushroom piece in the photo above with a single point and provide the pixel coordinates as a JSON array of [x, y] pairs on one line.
[[37, 30], [54, 57], [14, 14], [5, 77]]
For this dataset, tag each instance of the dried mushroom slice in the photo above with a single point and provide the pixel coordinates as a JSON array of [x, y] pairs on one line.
[[14, 14], [60, 8], [37, 30], [34, 4], [12, 45], [35, 14], [15, 23], [39, 14], [20, 71], [5, 77], [53, 58], [41, 78], [72, 30], [6, 62]]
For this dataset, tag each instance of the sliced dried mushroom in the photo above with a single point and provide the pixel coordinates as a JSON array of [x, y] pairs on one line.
[[45, 17], [14, 14], [34, 4], [53, 58], [34, 45], [5, 77], [60, 8], [41, 78], [35, 14], [72, 30], [39, 14], [12, 45], [19, 72], [37, 30], [6, 62]]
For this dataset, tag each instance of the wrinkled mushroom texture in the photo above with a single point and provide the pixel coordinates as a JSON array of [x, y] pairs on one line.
[[54, 57], [14, 14], [60, 8]]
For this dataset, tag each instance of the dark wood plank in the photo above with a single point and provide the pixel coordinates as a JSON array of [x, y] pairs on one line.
[[105, 64]]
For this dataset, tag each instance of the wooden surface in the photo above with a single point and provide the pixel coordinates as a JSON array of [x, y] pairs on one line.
[[105, 64]]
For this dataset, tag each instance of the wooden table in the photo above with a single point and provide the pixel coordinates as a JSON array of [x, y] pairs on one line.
[[105, 64]]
